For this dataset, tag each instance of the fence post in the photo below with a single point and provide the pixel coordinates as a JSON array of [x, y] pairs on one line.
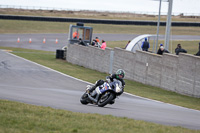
[[111, 62]]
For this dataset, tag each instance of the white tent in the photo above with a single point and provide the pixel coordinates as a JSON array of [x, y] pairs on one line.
[[136, 43]]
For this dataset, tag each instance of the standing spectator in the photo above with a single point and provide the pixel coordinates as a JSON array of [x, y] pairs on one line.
[[145, 45], [103, 46], [179, 49], [162, 50], [198, 53], [127, 44], [75, 35]]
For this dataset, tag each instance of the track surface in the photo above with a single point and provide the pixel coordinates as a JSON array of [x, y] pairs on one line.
[[25, 81], [10, 40]]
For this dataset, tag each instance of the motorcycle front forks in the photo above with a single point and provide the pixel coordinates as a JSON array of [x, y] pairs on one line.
[[94, 99]]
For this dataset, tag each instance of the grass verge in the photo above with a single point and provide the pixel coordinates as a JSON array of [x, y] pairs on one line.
[[96, 15], [92, 75], [19, 117], [19, 26]]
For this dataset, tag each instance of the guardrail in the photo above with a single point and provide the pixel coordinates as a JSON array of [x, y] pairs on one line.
[[67, 9], [97, 21]]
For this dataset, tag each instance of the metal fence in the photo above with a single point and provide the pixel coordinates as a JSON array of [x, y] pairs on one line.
[[96, 21], [67, 9]]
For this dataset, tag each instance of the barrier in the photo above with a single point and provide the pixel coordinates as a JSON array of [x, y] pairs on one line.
[[60, 54], [96, 21], [89, 57]]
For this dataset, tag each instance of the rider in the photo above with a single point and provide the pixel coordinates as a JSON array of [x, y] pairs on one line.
[[119, 75]]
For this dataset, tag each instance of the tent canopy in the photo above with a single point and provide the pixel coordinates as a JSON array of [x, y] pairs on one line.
[[136, 43]]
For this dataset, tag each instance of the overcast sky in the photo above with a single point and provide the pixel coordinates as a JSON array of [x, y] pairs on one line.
[[179, 6]]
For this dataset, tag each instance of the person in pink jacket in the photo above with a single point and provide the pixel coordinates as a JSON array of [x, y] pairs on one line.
[[103, 46]]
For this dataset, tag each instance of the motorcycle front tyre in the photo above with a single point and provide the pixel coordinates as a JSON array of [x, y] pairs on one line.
[[107, 100], [84, 99]]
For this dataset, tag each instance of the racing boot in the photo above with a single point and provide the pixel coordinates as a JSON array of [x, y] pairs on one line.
[[90, 89], [112, 102], [98, 83]]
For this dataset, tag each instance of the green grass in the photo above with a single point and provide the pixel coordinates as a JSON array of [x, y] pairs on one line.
[[92, 75], [162, 95], [21, 118], [16, 26]]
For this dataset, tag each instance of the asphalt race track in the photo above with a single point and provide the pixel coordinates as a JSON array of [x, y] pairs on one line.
[[10, 40], [28, 82]]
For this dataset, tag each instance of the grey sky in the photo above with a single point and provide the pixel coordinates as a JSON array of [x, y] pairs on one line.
[[179, 6]]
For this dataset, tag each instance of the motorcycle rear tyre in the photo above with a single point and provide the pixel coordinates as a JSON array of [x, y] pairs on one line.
[[108, 100]]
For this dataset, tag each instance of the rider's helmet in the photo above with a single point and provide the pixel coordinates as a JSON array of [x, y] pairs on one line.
[[120, 74]]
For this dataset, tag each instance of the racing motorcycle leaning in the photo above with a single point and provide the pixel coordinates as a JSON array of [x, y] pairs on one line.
[[103, 94]]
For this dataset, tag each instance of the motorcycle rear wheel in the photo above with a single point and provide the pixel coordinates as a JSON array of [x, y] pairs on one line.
[[84, 99], [105, 99]]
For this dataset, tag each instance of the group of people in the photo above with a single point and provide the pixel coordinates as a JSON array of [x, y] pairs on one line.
[[178, 50], [145, 46], [96, 43]]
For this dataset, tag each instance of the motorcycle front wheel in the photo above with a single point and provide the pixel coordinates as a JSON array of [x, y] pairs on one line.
[[84, 99], [105, 99]]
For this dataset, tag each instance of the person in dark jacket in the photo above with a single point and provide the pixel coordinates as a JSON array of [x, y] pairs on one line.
[[81, 42], [145, 45], [119, 75], [162, 50], [198, 53], [179, 49], [93, 42]]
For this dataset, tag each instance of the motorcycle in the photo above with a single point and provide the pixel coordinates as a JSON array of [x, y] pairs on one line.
[[102, 95]]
